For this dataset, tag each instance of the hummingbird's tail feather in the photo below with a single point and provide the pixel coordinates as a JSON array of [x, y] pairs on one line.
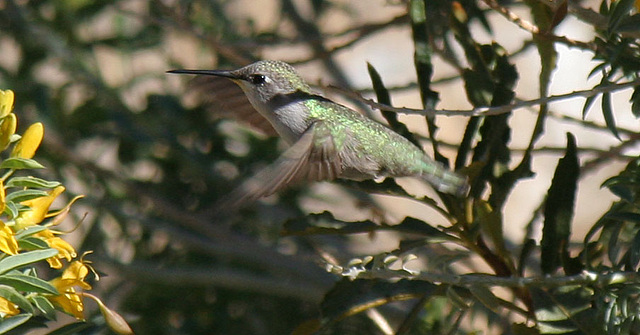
[[447, 181]]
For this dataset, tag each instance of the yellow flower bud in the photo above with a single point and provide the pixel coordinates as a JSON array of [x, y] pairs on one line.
[[7, 129], [114, 320], [6, 102], [30, 141]]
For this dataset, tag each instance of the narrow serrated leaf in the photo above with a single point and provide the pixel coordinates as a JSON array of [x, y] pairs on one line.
[[15, 261], [382, 94], [587, 105], [635, 98], [634, 252], [558, 208], [607, 112], [487, 298], [619, 10], [349, 297]]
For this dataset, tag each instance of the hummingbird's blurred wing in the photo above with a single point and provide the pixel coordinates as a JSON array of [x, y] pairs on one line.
[[313, 157], [225, 99]]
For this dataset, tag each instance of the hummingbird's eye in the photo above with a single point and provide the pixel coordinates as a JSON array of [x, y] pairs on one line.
[[257, 79]]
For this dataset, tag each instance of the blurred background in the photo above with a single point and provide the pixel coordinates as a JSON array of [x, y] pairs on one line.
[[152, 160]]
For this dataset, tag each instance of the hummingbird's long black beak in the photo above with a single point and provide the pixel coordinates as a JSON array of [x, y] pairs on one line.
[[218, 73]]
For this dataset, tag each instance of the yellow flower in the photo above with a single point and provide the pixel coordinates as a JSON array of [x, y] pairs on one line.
[[8, 243], [70, 302], [65, 250], [7, 129], [68, 299], [30, 141], [6, 102], [38, 209], [7, 307], [3, 201]]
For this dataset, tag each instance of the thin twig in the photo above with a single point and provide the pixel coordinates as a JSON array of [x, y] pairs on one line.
[[583, 278], [486, 111], [534, 30]]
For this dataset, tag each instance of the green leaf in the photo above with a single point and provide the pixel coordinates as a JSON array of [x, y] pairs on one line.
[[566, 310], [528, 247], [45, 306], [12, 322], [624, 216], [31, 182], [619, 10], [558, 209], [607, 112], [17, 163], [15, 297], [414, 226], [587, 105], [11, 209], [630, 24], [487, 298], [72, 328], [325, 223], [24, 195], [633, 252], [349, 297], [382, 94], [490, 222], [26, 283], [29, 231], [15, 261], [635, 97], [32, 243]]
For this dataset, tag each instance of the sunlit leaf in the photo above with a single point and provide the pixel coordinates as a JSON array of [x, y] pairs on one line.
[[18, 163], [27, 283], [31, 182], [16, 261]]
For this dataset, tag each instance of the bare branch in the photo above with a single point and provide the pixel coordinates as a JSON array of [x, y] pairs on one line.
[[485, 111], [584, 278]]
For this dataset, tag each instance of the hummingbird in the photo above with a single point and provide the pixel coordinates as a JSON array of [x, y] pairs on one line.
[[327, 140]]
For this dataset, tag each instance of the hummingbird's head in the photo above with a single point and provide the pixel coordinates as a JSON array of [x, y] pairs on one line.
[[263, 80]]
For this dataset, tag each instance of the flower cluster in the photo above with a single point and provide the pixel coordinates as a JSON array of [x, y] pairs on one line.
[[28, 235]]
